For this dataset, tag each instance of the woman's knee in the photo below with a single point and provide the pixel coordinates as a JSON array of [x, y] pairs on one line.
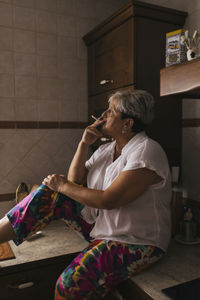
[[71, 286]]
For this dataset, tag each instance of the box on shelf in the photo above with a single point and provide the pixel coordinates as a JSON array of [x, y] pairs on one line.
[[175, 50]]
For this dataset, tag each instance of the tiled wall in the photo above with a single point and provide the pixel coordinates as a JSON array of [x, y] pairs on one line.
[[43, 77], [191, 149]]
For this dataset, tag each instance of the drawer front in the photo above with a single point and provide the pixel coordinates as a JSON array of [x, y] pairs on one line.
[[31, 284], [111, 60]]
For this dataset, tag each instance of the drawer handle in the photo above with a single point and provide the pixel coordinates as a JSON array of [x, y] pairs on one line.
[[106, 81], [22, 285]]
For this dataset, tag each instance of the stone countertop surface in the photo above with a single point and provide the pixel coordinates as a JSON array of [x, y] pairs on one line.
[[180, 264], [55, 240]]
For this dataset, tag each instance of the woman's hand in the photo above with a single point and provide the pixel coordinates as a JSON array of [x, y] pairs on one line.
[[55, 182], [92, 132]]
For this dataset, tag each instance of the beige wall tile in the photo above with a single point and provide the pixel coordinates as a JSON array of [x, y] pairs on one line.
[[6, 62], [24, 41], [48, 88], [83, 100], [25, 3], [48, 110], [26, 110], [24, 18], [49, 5], [25, 87], [5, 38], [68, 90], [7, 205], [46, 22], [25, 64], [72, 69], [6, 85], [20, 145], [191, 162], [65, 153], [6, 1], [193, 22], [83, 109], [191, 108], [67, 47], [67, 7], [84, 25], [46, 44], [5, 14], [21, 174], [31, 159], [69, 110], [55, 138], [34, 135], [47, 66], [86, 8], [8, 159], [82, 49], [67, 25], [6, 135], [178, 4], [5, 187], [7, 109]]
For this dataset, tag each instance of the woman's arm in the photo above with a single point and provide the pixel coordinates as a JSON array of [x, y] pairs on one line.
[[77, 172], [126, 188]]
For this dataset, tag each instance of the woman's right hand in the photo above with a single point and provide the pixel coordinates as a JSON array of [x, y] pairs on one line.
[[91, 133]]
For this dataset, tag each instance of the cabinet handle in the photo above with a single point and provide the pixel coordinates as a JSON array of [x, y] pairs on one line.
[[106, 81], [22, 285]]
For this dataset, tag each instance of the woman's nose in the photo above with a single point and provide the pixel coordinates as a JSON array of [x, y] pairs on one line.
[[104, 114]]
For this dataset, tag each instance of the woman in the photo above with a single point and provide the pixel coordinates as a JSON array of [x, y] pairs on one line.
[[121, 201]]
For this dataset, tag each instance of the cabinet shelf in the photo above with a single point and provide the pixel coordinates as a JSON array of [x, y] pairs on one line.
[[182, 79]]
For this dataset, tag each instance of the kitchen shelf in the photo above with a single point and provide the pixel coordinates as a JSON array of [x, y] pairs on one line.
[[182, 79]]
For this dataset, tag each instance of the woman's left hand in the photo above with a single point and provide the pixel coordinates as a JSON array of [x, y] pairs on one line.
[[55, 182]]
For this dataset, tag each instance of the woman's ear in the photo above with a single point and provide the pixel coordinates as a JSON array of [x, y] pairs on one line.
[[128, 123]]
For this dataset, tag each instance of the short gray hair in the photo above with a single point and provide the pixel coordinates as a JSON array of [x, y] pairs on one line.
[[137, 103]]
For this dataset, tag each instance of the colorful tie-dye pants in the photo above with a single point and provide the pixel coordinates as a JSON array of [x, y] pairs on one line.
[[99, 267]]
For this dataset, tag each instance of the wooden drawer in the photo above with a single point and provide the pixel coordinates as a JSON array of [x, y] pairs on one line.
[[31, 283], [111, 60]]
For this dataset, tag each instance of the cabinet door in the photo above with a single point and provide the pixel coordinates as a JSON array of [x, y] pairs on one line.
[[38, 283], [111, 60]]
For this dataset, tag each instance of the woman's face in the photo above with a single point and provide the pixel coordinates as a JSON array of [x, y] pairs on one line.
[[113, 123]]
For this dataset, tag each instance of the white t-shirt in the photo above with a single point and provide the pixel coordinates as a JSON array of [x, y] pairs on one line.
[[145, 221]]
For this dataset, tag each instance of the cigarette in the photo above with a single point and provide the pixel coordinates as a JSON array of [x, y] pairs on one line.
[[93, 117]]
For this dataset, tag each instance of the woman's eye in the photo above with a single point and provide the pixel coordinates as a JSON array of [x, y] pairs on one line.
[[110, 112]]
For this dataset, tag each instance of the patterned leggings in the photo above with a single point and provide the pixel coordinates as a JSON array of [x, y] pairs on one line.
[[99, 267]]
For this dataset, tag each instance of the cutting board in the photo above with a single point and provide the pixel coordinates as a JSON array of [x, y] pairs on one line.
[[6, 252]]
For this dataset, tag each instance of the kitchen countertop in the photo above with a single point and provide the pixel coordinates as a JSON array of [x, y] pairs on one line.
[[56, 239], [181, 263]]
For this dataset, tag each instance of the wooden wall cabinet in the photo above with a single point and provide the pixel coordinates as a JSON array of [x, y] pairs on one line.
[[127, 51]]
